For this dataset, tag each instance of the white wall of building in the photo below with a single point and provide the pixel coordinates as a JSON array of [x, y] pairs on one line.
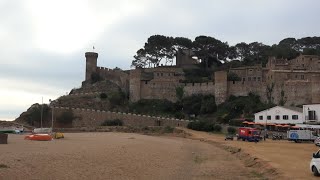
[[278, 115], [311, 113]]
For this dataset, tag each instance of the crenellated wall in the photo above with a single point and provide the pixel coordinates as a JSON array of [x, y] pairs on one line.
[[295, 81], [198, 88], [117, 77], [94, 118]]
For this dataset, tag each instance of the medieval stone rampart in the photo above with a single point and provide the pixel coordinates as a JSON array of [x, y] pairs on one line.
[[94, 118], [198, 88], [243, 88], [117, 77], [221, 86]]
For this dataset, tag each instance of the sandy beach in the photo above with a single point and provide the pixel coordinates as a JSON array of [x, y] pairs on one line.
[[118, 156]]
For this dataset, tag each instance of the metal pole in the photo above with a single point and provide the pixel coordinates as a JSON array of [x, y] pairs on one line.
[[265, 129], [41, 112], [52, 119], [52, 109]]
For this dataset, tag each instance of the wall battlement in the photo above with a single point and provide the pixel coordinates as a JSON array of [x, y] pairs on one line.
[[161, 82], [94, 118]]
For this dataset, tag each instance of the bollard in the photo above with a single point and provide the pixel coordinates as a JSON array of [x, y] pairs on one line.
[[3, 138]]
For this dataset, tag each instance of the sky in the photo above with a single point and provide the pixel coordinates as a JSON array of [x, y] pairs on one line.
[[42, 43]]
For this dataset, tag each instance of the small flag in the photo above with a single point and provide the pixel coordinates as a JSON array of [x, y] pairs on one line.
[[93, 47]]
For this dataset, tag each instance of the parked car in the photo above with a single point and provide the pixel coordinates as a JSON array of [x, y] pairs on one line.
[[229, 137], [317, 141], [315, 163]]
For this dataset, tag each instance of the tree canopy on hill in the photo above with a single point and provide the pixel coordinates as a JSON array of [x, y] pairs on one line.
[[212, 51]]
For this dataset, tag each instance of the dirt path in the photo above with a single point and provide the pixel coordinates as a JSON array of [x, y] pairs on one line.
[[289, 158], [118, 156]]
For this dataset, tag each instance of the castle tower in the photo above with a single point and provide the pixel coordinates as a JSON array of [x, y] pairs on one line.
[[91, 64], [221, 86], [135, 85]]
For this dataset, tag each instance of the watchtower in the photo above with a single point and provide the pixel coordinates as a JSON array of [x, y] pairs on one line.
[[91, 64]]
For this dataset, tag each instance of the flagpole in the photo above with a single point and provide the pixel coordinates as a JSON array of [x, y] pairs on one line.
[[41, 111]]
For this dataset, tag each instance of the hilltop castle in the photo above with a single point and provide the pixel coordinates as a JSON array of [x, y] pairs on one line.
[[291, 82]]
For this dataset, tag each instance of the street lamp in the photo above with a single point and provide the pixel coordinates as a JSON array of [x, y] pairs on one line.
[[265, 129]]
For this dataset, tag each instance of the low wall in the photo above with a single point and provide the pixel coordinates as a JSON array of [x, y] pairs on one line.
[[93, 118]]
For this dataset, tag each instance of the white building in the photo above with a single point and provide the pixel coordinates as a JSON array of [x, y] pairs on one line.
[[311, 113], [280, 115]]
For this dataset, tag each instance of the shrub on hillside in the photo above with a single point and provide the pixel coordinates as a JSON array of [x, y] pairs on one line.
[[168, 129], [117, 98], [204, 126], [217, 128], [179, 115], [152, 107], [66, 117], [231, 130], [242, 105], [33, 116], [115, 122], [103, 96], [199, 104]]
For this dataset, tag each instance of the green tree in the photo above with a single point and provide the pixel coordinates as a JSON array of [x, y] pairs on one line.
[[210, 50], [66, 117], [179, 93]]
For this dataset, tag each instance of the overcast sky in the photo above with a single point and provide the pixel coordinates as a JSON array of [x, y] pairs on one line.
[[42, 43]]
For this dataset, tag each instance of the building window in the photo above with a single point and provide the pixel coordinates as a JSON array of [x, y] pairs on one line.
[[285, 117], [295, 117], [312, 115], [260, 117], [146, 82], [302, 76], [243, 79], [259, 78], [268, 117], [254, 78], [277, 117], [161, 74]]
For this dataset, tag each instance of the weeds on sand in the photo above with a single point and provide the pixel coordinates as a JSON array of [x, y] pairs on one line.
[[258, 175], [3, 166], [198, 159]]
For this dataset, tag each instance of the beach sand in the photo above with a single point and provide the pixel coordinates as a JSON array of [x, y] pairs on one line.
[[118, 156]]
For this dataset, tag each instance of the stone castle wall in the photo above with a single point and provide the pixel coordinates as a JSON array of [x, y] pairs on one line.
[[93, 118], [117, 77], [298, 79], [221, 87], [198, 88], [243, 88]]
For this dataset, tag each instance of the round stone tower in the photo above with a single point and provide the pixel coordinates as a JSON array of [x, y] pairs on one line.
[[91, 64]]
